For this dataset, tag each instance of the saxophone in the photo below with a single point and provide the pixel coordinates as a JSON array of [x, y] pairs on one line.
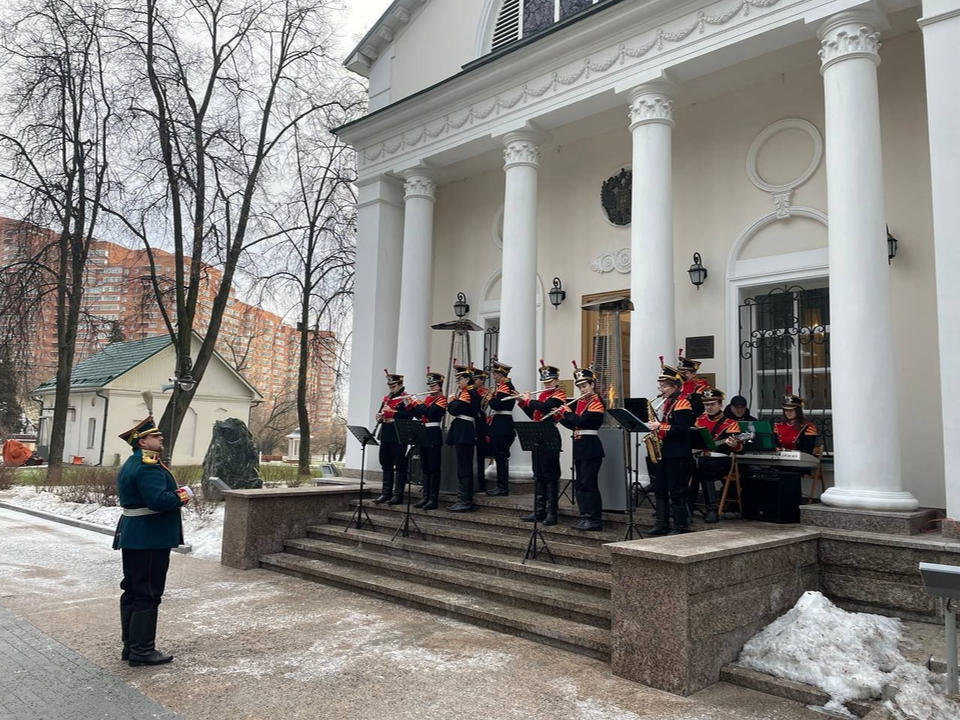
[[652, 440]]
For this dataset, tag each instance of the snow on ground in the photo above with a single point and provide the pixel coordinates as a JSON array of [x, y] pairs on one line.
[[203, 534], [850, 656]]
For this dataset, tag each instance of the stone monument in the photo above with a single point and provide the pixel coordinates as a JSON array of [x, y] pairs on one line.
[[231, 457]]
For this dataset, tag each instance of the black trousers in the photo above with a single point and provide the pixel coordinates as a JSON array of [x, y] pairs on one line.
[[546, 471], [588, 490], [393, 463], [430, 467], [464, 473], [669, 485], [501, 456], [481, 462], [144, 578], [709, 470]]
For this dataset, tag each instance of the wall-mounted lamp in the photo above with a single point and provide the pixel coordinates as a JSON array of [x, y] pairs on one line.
[[697, 272], [460, 307], [891, 246], [557, 293]]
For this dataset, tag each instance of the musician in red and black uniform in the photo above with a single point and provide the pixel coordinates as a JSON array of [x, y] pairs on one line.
[[546, 463], [431, 410], [676, 454], [464, 406], [393, 455], [480, 383], [795, 432], [714, 467], [693, 385], [585, 419], [502, 433]]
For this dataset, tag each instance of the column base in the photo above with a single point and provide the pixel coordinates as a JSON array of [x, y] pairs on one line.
[[886, 522], [862, 499], [951, 529]]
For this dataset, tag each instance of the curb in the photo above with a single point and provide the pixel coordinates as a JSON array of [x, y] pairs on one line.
[[73, 522]]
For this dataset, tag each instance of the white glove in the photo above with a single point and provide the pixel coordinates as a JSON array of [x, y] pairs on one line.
[[185, 490]]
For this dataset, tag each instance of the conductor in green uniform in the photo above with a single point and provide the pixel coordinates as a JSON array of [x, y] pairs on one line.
[[149, 528]]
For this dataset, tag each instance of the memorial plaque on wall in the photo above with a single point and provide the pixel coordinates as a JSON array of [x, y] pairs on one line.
[[699, 348]]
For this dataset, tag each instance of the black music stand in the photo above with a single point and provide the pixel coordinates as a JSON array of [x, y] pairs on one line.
[[413, 434], [640, 409], [533, 436], [366, 438], [629, 423]]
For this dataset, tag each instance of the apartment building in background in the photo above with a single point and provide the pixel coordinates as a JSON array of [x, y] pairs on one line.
[[120, 304]]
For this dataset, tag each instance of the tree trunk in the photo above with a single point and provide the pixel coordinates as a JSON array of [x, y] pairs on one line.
[[303, 416]]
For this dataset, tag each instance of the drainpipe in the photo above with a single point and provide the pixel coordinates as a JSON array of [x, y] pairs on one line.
[[103, 432]]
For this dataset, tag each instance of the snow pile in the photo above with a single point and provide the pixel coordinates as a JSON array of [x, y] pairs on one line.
[[850, 656], [203, 534]]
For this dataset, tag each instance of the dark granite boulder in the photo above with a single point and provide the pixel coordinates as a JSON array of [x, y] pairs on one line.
[[232, 457]]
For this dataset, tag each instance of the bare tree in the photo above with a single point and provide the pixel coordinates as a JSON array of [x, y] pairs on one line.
[[271, 423], [56, 128], [221, 88]]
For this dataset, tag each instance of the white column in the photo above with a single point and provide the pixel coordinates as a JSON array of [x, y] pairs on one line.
[[376, 302], [416, 279], [941, 30], [518, 282], [653, 321], [867, 467]]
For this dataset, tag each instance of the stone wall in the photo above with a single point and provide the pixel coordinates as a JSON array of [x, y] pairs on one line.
[[684, 606]]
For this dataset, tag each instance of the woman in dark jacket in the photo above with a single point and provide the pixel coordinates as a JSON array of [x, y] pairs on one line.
[[585, 419]]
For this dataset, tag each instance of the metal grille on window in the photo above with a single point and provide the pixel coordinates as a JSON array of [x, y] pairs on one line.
[[785, 344], [491, 343], [538, 15]]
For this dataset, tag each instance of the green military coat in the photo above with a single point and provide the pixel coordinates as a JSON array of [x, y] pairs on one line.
[[147, 483]]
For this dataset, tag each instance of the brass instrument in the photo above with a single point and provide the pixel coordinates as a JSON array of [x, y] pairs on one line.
[[652, 440]]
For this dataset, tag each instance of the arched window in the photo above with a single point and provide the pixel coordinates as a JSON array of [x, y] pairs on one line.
[[523, 18]]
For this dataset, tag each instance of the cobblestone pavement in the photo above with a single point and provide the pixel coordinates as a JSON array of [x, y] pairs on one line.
[[257, 645], [42, 679]]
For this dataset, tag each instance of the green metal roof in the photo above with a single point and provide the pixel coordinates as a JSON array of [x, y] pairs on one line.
[[112, 362]]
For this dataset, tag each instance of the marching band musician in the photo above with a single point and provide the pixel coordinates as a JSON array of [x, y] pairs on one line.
[[795, 432], [674, 433], [464, 406], [585, 420], [693, 385], [712, 468], [546, 463], [502, 433], [393, 455], [431, 410], [480, 383]]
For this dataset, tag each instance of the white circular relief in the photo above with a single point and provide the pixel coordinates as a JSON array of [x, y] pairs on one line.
[[783, 126]]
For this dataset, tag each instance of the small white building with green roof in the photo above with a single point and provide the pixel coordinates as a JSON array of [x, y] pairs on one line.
[[105, 400]]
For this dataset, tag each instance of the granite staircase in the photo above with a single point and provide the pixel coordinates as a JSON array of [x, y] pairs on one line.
[[469, 566]]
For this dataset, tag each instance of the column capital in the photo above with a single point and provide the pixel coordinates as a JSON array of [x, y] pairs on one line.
[[419, 183], [651, 103], [521, 147], [848, 35]]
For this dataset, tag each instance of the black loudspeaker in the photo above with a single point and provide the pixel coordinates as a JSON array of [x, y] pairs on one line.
[[771, 496]]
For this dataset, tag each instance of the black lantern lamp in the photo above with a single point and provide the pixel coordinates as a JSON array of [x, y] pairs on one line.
[[460, 307], [557, 293], [891, 246], [697, 272]]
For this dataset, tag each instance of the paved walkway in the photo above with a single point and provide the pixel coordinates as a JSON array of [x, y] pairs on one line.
[[42, 679], [256, 645]]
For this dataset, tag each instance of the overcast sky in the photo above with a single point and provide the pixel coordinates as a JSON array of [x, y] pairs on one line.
[[362, 14]]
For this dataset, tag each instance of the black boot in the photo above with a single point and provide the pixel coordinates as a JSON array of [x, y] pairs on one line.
[[540, 508], [662, 526], [125, 614], [552, 489], [503, 478], [399, 484], [433, 493], [143, 635], [464, 501], [386, 487], [680, 519], [710, 498]]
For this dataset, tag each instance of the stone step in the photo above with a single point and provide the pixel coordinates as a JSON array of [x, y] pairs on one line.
[[530, 624], [788, 689], [490, 561], [471, 537], [516, 505], [563, 602], [483, 519]]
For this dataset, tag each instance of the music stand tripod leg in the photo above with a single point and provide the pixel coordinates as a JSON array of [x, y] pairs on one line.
[[535, 535], [361, 512], [404, 527]]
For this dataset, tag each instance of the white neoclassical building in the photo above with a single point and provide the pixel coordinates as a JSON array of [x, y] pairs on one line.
[[604, 143]]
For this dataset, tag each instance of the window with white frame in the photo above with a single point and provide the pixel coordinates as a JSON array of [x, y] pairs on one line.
[[523, 18], [91, 433], [785, 347]]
